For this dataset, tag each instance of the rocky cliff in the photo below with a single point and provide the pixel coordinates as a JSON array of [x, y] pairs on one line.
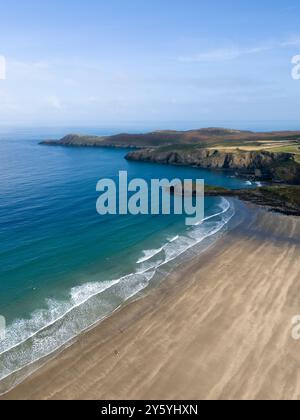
[[205, 148], [279, 167]]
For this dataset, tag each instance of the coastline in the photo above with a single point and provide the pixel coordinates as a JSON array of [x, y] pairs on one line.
[[217, 327], [94, 303]]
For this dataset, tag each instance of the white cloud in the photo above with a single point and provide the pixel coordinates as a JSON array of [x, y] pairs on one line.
[[2, 67], [55, 102], [29, 70], [93, 100], [222, 54], [292, 41], [233, 52], [7, 102]]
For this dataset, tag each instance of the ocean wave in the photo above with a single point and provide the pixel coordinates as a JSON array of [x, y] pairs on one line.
[[180, 244], [28, 341], [173, 239], [149, 254], [225, 205], [63, 321]]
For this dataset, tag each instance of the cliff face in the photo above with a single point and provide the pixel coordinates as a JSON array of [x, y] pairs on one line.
[[201, 148], [262, 165]]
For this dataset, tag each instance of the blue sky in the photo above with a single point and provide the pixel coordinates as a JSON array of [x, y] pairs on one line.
[[99, 62]]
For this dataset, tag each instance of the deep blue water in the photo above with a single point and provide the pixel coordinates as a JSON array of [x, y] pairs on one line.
[[62, 266]]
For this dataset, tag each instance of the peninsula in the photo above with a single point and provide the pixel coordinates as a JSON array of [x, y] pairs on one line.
[[267, 156]]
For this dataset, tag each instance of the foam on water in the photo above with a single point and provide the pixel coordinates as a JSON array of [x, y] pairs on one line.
[[173, 239], [30, 340], [149, 254], [225, 205]]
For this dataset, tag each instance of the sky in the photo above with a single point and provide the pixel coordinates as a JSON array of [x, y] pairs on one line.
[[99, 62]]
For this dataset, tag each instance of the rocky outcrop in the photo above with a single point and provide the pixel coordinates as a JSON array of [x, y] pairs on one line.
[[281, 199], [75, 140], [201, 149], [261, 165]]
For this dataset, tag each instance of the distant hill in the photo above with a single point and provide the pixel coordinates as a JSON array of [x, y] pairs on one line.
[[205, 137], [273, 156]]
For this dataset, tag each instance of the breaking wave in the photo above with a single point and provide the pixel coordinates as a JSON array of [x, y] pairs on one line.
[[31, 340]]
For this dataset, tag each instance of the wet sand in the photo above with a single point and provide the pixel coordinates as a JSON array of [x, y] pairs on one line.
[[218, 328]]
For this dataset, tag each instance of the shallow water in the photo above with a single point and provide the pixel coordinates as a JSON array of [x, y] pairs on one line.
[[62, 266]]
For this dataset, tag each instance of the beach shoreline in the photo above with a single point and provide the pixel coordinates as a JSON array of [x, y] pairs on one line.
[[214, 329]]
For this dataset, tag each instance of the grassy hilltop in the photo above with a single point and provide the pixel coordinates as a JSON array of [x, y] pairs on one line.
[[205, 137], [273, 157]]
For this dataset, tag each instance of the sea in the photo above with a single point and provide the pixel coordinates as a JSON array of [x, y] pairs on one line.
[[63, 267]]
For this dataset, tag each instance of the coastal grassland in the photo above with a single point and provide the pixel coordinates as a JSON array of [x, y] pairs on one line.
[[275, 146], [280, 198], [210, 190], [285, 171], [289, 194], [234, 146], [293, 149], [256, 155], [206, 137]]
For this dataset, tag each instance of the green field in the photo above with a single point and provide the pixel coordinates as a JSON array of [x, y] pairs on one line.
[[293, 149], [269, 146]]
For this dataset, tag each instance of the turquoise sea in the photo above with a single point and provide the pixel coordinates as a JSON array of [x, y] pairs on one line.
[[62, 266]]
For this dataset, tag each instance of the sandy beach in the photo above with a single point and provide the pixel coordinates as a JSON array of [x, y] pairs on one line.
[[218, 328]]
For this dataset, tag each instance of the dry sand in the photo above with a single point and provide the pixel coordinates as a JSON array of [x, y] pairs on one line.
[[219, 328]]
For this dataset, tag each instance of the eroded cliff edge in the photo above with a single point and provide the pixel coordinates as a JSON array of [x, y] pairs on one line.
[[261, 165], [273, 156]]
